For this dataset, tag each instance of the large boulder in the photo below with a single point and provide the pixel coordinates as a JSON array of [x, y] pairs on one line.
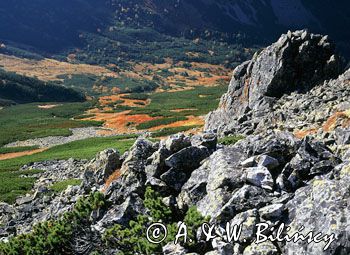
[[133, 175], [101, 167], [138, 154], [321, 207], [218, 187], [297, 61], [182, 164], [121, 214], [311, 159]]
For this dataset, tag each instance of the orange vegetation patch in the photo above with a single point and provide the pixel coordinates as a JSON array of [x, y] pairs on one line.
[[120, 122], [49, 69], [197, 74], [300, 134], [115, 176], [141, 67], [20, 154], [48, 106], [107, 100], [335, 120], [191, 121]]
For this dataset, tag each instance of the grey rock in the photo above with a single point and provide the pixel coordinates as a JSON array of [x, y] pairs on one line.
[[172, 249], [273, 72], [157, 166], [121, 214], [248, 220], [321, 207], [174, 178], [208, 140], [177, 142], [268, 162], [272, 212], [6, 209], [133, 176], [246, 198], [102, 166], [221, 248], [312, 158], [138, 155], [158, 186], [265, 248], [194, 189], [24, 200], [55, 171], [249, 162], [260, 177], [343, 136], [279, 145], [211, 185], [188, 158]]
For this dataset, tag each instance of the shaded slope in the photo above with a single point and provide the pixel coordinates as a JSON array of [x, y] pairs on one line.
[[20, 89]]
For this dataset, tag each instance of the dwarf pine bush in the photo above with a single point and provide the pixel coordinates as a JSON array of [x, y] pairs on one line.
[[54, 237], [132, 239]]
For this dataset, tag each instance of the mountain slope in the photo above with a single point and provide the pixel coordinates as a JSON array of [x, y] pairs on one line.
[[51, 26], [15, 88]]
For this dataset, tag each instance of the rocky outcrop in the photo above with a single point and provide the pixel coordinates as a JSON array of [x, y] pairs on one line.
[[296, 62], [272, 177]]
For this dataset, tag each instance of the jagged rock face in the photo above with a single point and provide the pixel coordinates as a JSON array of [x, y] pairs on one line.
[[296, 62]]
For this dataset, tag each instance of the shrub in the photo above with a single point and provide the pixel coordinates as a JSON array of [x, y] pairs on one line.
[[22, 89], [55, 237], [132, 239], [230, 140], [136, 96]]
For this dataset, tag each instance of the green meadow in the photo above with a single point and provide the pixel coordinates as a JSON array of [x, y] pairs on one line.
[[12, 184]]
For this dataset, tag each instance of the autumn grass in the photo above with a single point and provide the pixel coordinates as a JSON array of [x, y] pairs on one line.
[[26, 121], [5, 150], [12, 184], [159, 122], [230, 140], [201, 99], [63, 185], [169, 131]]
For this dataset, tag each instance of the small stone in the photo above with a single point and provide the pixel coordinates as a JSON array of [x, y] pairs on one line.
[[24, 200], [250, 162], [268, 162]]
